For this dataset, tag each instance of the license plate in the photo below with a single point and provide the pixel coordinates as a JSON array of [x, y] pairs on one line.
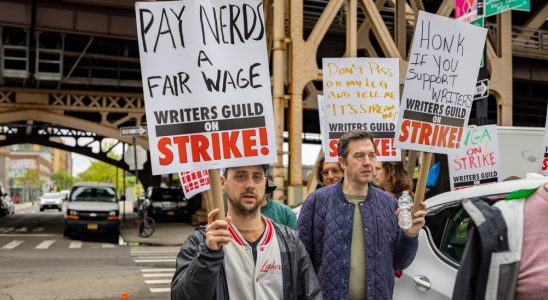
[[170, 213], [92, 226]]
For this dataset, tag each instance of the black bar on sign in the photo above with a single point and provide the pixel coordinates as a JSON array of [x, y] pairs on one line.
[[377, 135], [471, 183], [200, 127], [424, 117]]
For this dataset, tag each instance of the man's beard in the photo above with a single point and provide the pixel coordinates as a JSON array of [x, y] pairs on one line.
[[243, 210]]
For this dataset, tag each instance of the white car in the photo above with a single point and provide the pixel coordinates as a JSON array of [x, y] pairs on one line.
[[441, 243], [51, 200]]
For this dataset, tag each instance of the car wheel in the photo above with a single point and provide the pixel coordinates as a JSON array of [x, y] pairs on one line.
[[67, 232], [41, 209]]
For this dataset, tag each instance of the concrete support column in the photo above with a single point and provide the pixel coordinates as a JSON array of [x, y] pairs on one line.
[[278, 94], [501, 69]]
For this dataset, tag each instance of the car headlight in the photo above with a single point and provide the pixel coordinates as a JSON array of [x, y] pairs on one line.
[[73, 212], [156, 204], [113, 213]]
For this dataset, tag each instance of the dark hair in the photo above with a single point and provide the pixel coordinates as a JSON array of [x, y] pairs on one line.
[[353, 135], [397, 177], [265, 168], [319, 167]]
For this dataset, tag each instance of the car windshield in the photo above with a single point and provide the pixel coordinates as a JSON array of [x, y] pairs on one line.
[[51, 196], [166, 195], [93, 194]]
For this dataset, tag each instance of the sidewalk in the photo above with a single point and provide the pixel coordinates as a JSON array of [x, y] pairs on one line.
[[166, 234]]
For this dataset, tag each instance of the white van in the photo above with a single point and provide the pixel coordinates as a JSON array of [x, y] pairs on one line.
[[521, 150]]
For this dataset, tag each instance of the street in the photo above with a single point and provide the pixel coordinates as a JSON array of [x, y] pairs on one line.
[[38, 262]]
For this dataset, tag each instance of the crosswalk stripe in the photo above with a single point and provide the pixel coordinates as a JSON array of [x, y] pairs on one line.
[[108, 245], [12, 245], [160, 290], [158, 281], [38, 229], [75, 245], [45, 244], [154, 257], [6, 229], [153, 260], [28, 235], [22, 229], [158, 275], [152, 252], [158, 270]]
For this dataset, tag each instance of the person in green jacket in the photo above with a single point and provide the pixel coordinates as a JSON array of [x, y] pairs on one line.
[[275, 211]]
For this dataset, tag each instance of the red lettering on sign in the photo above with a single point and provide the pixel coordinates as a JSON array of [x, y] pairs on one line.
[[430, 134], [163, 148], [219, 145], [333, 147], [545, 164]]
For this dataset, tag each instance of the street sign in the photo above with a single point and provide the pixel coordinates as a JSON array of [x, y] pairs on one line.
[[133, 131], [129, 157], [482, 89], [493, 7]]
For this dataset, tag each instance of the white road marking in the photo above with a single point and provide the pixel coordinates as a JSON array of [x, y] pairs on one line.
[[158, 270], [158, 281], [154, 257], [29, 235], [45, 244], [75, 245], [108, 245], [153, 260], [6, 229], [159, 275], [38, 229], [161, 290], [22, 229], [12, 245]]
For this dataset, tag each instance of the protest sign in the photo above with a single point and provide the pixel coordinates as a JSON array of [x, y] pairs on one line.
[[477, 161], [545, 160], [194, 182], [440, 84], [360, 93], [206, 84]]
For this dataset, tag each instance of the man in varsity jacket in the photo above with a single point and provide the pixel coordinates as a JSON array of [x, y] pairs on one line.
[[244, 256]]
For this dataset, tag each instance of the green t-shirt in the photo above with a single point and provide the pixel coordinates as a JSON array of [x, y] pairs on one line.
[[358, 275], [279, 213]]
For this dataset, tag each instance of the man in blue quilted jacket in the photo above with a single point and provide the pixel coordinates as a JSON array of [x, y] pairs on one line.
[[350, 229]]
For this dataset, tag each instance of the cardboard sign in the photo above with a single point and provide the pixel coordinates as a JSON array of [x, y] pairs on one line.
[[361, 93], [477, 161], [545, 160], [440, 84], [194, 182], [206, 84]]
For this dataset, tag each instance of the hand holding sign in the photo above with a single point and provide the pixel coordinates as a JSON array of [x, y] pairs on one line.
[[217, 234]]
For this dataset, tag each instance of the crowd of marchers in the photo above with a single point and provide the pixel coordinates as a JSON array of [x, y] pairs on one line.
[[346, 243]]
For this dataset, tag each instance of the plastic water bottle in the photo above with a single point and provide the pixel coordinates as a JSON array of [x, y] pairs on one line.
[[405, 220]]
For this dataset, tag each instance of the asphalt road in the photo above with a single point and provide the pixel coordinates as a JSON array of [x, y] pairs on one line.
[[38, 262]]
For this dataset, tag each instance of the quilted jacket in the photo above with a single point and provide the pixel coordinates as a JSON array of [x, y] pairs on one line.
[[325, 227]]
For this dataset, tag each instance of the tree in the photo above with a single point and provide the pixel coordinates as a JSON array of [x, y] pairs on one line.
[[62, 180]]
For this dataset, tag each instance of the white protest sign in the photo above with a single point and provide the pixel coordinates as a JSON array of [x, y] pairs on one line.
[[194, 182], [361, 93], [545, 160], [206, 84], [477, 161], [323, 131], [440, 84]]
